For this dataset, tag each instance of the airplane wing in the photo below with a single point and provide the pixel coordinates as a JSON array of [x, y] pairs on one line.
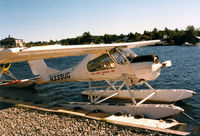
[[10, 55]]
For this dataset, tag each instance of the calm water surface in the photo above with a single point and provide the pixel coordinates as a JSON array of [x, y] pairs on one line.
[[184, 74]]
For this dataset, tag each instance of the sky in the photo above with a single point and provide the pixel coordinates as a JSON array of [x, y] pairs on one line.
[[44, 20]]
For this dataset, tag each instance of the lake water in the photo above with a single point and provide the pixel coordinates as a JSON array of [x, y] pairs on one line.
[[184, 74]]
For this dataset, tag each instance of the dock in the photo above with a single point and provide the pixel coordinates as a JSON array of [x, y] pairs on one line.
[[124, 120]]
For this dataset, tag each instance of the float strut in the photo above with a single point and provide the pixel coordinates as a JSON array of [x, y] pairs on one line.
[[129, 90]]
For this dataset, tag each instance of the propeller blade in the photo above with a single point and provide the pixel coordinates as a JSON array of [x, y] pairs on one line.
[[167, 63]]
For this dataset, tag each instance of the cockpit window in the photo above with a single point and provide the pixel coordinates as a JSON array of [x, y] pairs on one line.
[[130, 55], [102, 62], [120, 56]]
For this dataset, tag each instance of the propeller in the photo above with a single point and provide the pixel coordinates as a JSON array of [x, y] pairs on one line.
[[156, 67]]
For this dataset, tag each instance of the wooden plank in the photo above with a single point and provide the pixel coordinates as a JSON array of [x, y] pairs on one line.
[[110, 121]]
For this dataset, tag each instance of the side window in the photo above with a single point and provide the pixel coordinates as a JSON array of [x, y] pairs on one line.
[[102, 62], [118, 57]]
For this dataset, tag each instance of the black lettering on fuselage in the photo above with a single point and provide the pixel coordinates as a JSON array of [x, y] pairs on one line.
[[60, 76]]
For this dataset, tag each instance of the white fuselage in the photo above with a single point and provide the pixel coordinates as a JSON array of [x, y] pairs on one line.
[[108, 69]]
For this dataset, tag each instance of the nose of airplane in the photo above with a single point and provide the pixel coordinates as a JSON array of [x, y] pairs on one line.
[[158, 66], [143, 70]]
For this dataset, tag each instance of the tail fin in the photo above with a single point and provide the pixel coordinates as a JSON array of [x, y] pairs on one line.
[[39, 67]]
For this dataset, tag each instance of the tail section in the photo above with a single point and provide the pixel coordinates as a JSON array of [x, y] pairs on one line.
[[39, 67]]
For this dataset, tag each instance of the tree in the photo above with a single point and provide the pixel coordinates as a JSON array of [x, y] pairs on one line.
[[137, 36], [157, 34], [97, 39], [64, 42], [145, 37], [130, 36], [107, 38], [8, 42], [198, 31], [86, 38], [51, 42], [191, 34]]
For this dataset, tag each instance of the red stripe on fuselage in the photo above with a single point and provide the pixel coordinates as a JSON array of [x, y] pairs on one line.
[[102, 72]]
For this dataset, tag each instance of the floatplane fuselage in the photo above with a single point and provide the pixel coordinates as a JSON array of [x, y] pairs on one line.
[[102, 66]]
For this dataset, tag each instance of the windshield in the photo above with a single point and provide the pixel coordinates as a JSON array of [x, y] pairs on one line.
[[122, 56], [130, 55]]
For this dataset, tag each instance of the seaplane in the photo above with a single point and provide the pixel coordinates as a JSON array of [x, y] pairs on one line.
[[115, 64]]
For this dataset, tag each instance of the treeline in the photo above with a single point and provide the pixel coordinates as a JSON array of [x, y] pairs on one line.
[[174, 37], [41, 43]]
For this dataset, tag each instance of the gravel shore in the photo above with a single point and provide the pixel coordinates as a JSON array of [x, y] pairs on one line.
[[20, 121]]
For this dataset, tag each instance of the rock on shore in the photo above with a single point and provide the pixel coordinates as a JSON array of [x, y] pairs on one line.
[[20, 121]]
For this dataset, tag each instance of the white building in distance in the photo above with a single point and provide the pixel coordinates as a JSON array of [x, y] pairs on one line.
[[19, 42]]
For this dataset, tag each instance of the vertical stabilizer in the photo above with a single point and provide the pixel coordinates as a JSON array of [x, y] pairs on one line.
[[39, 67]]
